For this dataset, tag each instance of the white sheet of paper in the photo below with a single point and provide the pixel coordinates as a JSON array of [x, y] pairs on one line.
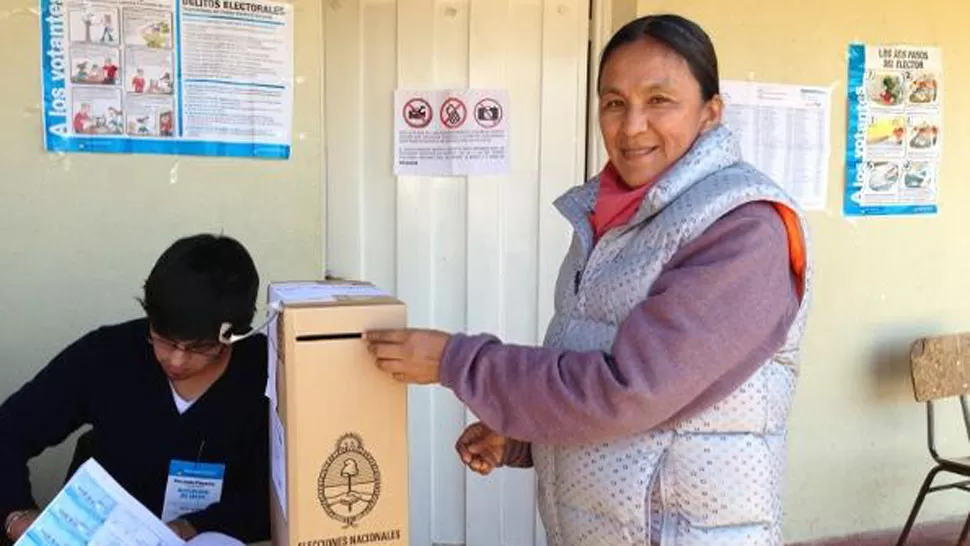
[[213, 539], [272, 359], [451, 132], [93, 508], [785, 131], [321, 292], [278, 459]]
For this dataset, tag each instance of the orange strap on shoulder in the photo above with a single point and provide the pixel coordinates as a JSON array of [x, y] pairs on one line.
[[796, 244]]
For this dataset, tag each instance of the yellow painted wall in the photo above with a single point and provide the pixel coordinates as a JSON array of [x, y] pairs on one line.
[[857, 448], [80, 232]]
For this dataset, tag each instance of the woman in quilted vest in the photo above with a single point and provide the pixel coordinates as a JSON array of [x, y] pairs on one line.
[[656, 410]]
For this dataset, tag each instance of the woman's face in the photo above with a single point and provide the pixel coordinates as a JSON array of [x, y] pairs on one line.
[[651, 110]]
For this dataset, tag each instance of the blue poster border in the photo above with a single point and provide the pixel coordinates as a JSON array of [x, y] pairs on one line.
[[57, 111]]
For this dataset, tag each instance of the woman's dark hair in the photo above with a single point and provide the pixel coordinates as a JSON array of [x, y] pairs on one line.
[[683, 36], [199, 283]]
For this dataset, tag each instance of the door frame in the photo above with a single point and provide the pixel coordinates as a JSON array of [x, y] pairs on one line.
[[600, 31]]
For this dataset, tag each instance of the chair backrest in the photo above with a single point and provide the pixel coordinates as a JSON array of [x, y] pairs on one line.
[[940, 366]]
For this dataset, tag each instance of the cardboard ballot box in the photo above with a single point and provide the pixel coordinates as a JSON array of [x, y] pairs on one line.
[[338, 424]]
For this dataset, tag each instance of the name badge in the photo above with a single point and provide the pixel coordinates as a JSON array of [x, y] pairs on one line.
[[192, 487]]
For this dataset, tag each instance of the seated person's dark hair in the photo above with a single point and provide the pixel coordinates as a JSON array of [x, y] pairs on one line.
[[199, 283]]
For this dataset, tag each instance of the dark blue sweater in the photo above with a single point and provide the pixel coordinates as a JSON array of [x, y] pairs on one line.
[[110, 380]]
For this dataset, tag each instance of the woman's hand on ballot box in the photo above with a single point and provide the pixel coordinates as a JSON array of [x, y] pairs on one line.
[[409, 355]]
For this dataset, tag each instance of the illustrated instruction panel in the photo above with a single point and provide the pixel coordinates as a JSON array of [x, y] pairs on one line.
[[194, 77], [895, 130]]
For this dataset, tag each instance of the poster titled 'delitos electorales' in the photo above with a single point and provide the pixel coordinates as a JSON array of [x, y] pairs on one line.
[[195, 77]]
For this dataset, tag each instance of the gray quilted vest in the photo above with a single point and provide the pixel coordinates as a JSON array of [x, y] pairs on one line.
[[717, 478]]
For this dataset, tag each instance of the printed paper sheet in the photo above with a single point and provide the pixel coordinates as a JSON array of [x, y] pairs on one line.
[[94, 510], [451, 132], [785, 132]]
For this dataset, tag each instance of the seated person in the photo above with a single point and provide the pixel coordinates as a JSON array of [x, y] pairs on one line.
[[168, 387]]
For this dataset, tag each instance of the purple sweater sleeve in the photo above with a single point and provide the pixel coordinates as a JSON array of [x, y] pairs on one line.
[[721, 307]]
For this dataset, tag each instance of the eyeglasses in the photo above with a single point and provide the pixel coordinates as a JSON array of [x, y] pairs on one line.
[[206, 349]]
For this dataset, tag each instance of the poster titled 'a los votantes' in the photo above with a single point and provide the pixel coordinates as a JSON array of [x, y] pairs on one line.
[[895, 130], [196, 77]]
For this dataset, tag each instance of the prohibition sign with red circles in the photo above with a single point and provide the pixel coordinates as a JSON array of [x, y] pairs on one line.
[[488, 113], [453, 113], [417, 113]]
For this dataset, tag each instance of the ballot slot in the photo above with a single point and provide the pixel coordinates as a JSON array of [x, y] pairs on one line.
[[304, 338]]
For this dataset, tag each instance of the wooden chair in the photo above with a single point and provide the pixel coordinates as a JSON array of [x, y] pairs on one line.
[[941, 370]]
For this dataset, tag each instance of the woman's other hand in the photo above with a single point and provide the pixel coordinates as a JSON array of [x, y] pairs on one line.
[[481, 448], [409, 355]]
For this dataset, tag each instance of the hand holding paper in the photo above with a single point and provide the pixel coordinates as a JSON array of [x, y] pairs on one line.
[[183, 529], [93, 508]]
